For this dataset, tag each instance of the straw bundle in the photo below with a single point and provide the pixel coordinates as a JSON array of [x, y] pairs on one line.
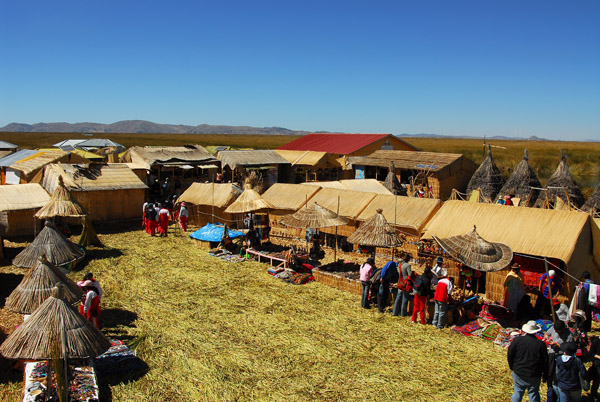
[[562, 183], [315, 216], [36, 286], [392, 183], [477, 253], [593, 203], [249, 201], [521, 181], [487, 177], [377, 232], [52, 244], [61, 204], [55, 320]]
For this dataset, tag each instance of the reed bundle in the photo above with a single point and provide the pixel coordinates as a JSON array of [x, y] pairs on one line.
[[61, 204], [314, 216], [487, 177], [377, 232], [249, 201]]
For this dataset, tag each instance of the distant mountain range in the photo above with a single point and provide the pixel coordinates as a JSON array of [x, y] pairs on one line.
[[143, 126]]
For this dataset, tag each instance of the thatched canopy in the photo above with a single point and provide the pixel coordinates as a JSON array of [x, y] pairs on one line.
[[37, 285], [477, 253], [249, 201], [487, 177], [55, 321], [562, 183], [521, 181], [376, 232], [251, 157], [289, 196], [52, 244], [219, 195], [61, 204], [392, 183], [593, 203], [314, 216]]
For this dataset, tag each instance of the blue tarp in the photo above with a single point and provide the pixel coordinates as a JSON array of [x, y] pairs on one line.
[[213, 233]]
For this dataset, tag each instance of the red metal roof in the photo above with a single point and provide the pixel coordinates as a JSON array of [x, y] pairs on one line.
[[342, 144]]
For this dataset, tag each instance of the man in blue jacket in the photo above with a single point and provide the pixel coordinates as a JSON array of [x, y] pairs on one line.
[[389, 274], [528, 360]]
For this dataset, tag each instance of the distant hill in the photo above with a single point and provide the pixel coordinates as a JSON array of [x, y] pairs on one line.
[[143, 126], [495, 137]]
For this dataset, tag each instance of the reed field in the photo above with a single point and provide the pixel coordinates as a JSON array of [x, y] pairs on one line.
[[215, 331]]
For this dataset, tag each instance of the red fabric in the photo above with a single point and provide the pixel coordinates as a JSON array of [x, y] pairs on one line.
[[183, 222], [152, 227], [419, 307], [441, 292], [163, 224], [342, 144], [93, 313]]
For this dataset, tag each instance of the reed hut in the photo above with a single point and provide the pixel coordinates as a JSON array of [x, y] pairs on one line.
[[207, 202], [248, 201], [408, 215], [18, 205], [392, 183], [24, 166], [269, 165], [563, 237], [108, 192], [53, 245], [61, 204], [592, 204], [55, 322], [376, 232], [561, 185], [523, 183], [313, 216], [286, 199], [488, 178], [36, 286]]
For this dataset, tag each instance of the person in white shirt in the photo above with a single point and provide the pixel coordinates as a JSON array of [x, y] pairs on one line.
[[183, 216]]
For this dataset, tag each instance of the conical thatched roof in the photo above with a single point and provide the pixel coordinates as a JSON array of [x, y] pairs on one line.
[[61, 204], [314, 216], [376, 231], [55, 321], [560, 183], [487, 177], [477, 253], [593, 203], [52, 244], [521, 181], [392, 183], [37, 285], [248, 201], [88, 235]]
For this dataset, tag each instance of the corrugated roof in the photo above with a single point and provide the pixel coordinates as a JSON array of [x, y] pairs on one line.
[[411, 212], [98, 143], [7, 145], [17, 156], [148, 156], [37, 160], [310, 158], [342, 144], [91, 177], [351, 203], [289, 196], [218, 194], [68, 143], [254, 157], [533, 231], [22, 196]]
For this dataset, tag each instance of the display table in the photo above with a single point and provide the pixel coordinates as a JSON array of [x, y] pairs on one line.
[[83, 385], [274, 261]]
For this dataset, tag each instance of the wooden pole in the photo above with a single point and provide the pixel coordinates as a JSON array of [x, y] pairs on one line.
[[336, 232], [549, 290], [212, 214]]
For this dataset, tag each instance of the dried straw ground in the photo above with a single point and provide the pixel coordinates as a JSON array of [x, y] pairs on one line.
[[215, 331]]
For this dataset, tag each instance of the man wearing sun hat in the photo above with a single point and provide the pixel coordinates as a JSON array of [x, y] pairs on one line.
[[528, 360]]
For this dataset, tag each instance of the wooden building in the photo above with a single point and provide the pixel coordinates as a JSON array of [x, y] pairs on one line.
[[438, 172], [18, 205], [269, 166], [109, 192], [206, 203], [310, 166], [565, 238]]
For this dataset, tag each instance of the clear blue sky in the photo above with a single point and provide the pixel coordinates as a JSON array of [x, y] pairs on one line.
[[515, 68]]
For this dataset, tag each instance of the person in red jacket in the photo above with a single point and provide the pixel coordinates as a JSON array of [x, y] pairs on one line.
[[90, 305], [442, 298]]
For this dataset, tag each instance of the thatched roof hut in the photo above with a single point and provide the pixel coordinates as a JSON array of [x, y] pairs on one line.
[[289, 197], [19, 203], [249, 201], [562, 185], [149, 157], [55, 321], [52, 244], [313, 216], [37, 285], [593, 203], [61, 204], [487, 177], [520, 183], [377, 232]]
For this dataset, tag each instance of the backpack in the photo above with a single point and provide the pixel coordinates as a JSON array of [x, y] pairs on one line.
[[419, 286], [150, 213]]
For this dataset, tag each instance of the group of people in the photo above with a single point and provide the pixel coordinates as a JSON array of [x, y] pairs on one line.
[[156, 217], [407, 287], [90, 303]]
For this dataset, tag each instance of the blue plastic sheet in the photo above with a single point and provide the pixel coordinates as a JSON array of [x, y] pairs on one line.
[[213, 233]]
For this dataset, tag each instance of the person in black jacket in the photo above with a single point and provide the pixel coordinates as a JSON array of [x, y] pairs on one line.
[[528, 360], [568, 370], [389, 274]]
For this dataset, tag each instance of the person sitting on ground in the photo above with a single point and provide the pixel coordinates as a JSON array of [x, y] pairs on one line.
[[569, 369], [508, 201], [366, 270], [442, 299], [558, 334]]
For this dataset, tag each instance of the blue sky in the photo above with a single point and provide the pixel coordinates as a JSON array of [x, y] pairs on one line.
[[514, 68]]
